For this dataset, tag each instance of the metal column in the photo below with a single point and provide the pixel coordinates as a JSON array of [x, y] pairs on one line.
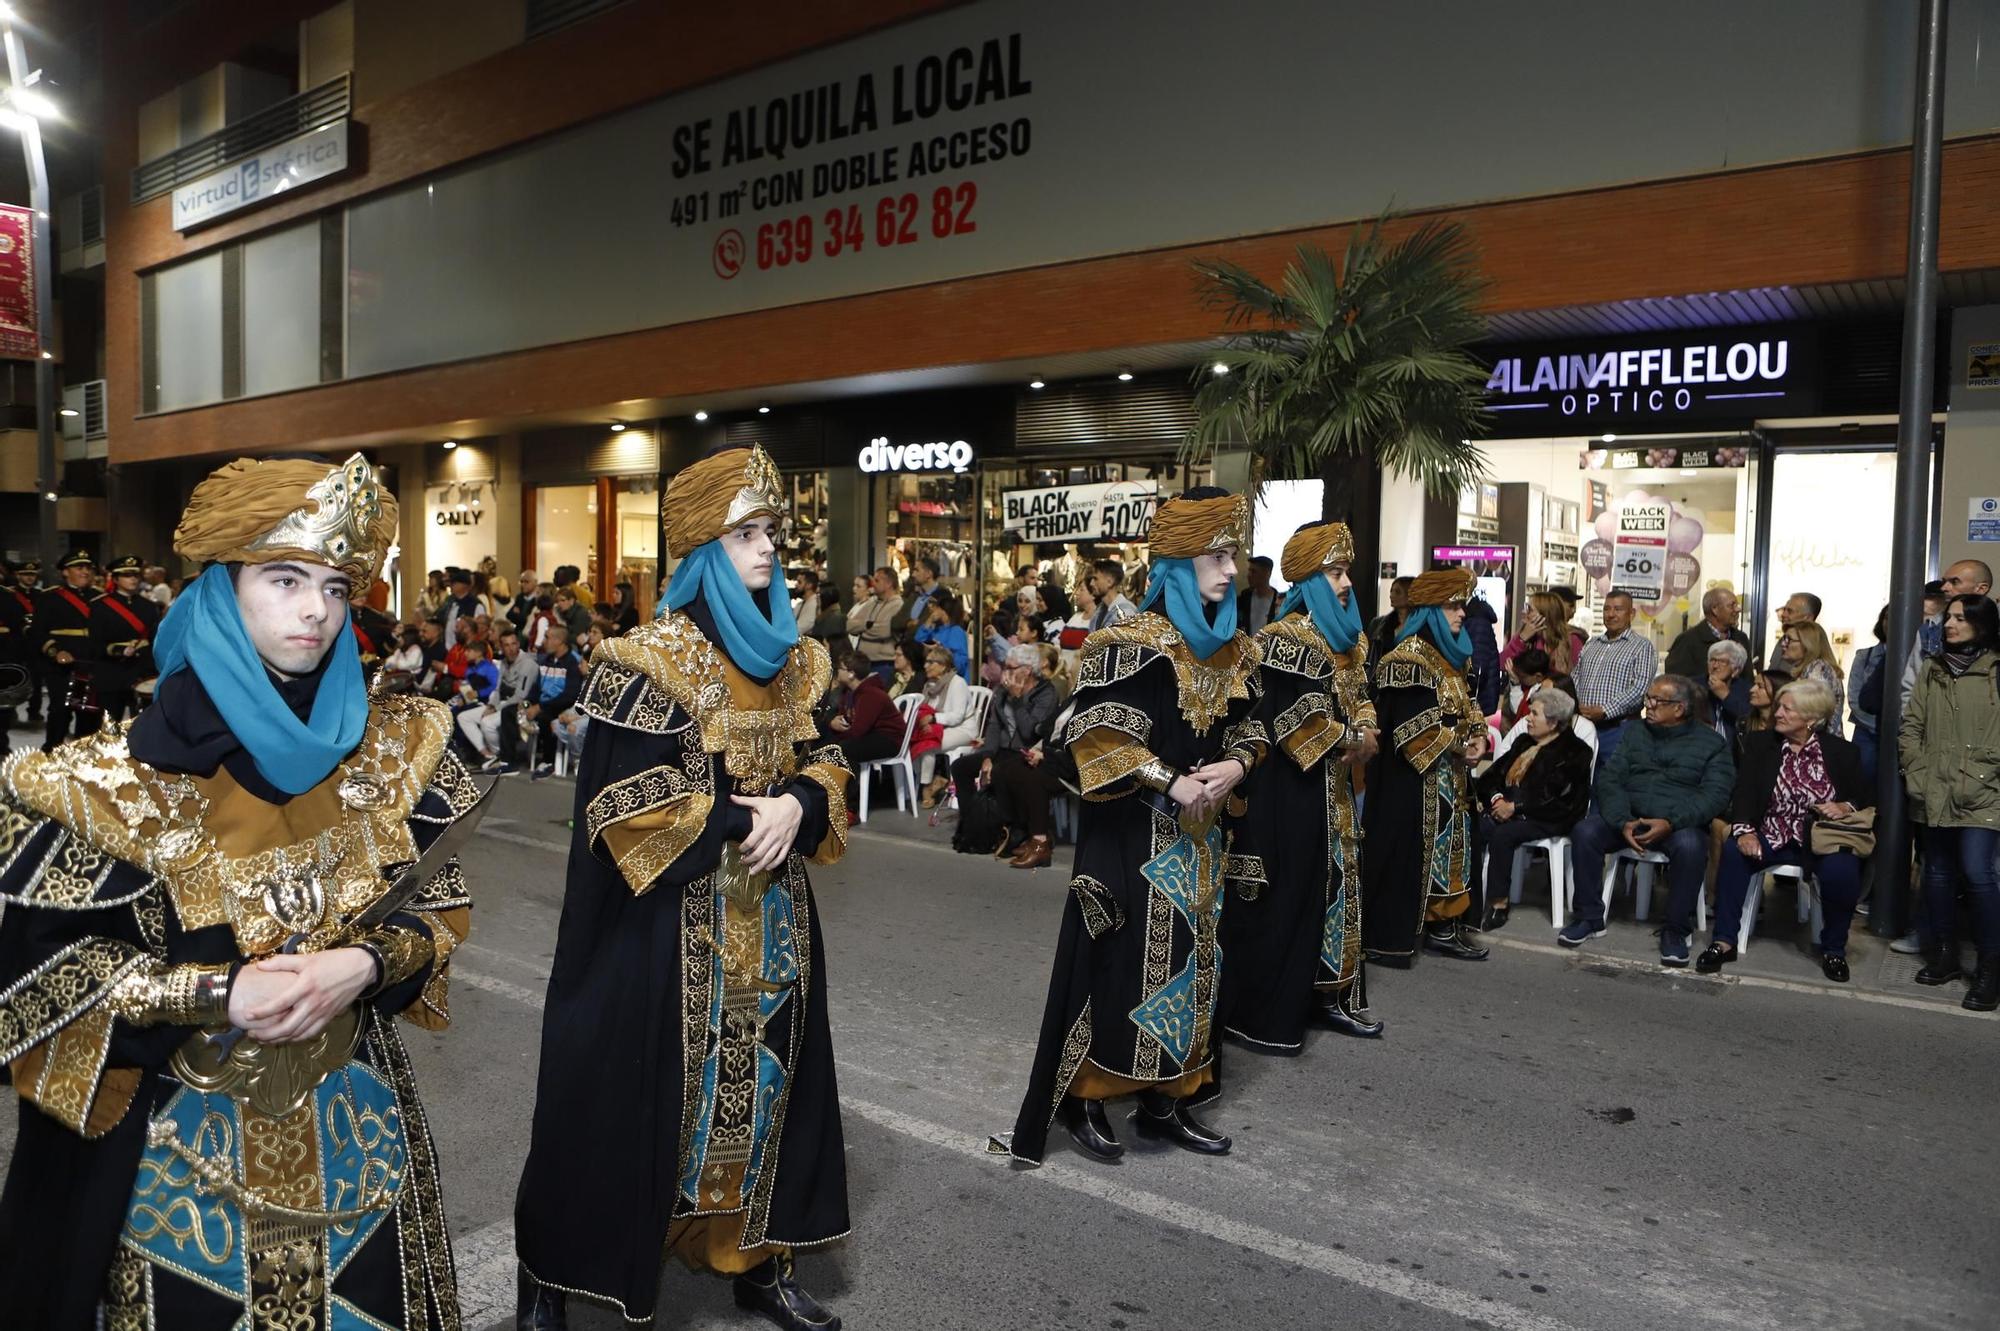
[[1913, 463]]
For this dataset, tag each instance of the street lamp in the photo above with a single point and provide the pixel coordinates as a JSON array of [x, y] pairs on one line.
[[22, 109]]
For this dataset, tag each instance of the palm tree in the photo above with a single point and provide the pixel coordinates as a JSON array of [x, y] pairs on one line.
[[1348, 370]]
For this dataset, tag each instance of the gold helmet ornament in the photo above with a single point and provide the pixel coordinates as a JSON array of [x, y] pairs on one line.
[[255, 511], [718, 494]]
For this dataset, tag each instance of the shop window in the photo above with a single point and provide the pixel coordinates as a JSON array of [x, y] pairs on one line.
[[1832, 521], [565, 529]]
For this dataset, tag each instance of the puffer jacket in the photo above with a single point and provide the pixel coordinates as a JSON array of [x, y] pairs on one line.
[[1950, 745], [1681, 773]]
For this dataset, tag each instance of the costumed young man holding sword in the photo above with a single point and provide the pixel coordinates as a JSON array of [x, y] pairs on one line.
[[209, 924]]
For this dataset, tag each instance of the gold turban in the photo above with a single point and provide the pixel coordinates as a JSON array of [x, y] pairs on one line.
[[1317, 547], [1442, 586], [719, 493], [1183, 528], [259, 512]]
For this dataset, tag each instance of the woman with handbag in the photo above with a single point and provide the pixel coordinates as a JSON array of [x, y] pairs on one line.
[[1799, 800], [1950, 749]]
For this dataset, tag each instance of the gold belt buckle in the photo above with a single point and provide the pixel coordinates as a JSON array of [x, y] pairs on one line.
[[273, 1079]]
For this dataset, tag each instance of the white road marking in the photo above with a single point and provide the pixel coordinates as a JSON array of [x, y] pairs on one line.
[[1645, 967], [486, 1259], [517, 839]]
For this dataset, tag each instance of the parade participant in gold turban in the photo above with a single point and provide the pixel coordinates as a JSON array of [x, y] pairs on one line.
[[1164, 730], [704, 792], [1419, 819], [1293, 934], [226, 863]]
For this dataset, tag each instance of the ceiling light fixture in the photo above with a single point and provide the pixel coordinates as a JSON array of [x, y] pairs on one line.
[[701, 415], [763, 408], [1220, 367], [1610, 438], [450, 444], [69, 411], [1124, 376], [617, 427], [1036, 382]]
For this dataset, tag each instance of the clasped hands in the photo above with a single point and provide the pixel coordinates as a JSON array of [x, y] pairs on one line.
[[1203, 789], [774, 825], [290, 997]]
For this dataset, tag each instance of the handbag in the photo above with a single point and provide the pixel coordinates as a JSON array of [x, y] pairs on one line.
[[1853, 830]]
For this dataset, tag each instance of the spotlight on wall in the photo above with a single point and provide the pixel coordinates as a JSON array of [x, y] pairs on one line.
[[1124, 376], [763, 408], [450, 444], [701, 415], [1220, 367], [1036, 382], [617, 427], [68, 411]]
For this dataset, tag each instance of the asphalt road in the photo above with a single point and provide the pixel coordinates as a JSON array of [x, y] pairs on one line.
[[1543, 1142]]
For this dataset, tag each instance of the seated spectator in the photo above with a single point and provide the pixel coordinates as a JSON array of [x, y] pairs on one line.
[[1949, 747], [408, 658], [1078, 627], [1728, 701], [1690, 652], [1579, 725], [1545, 624], [865, 724], [944, 626], [906, 668], [1806, 651], [1657, 790], [1765, 686], [623, 610], [1011, 759], [1529, 670], [1000, 625], [1785, 777], [950, 700], [481, 677], [1538, 788], [562, 683], [1052, 669]]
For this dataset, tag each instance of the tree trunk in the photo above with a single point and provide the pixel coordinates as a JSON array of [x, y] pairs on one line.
[[1353, 494]]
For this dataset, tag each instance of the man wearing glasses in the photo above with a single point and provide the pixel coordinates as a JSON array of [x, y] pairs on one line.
[[1656, 792]]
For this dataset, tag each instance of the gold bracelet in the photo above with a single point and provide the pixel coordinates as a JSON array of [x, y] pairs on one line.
[[1155, 775], [399, 953], [178, 996]]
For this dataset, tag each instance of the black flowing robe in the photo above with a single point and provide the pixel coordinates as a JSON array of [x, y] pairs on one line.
[[1419, 808], [686, 1094], [111, 869], [1132, 997], [1296, 928]]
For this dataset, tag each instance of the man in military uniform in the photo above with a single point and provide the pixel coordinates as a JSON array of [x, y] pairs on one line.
[[17, 614], [123, 624], [62, 638], [18, 597]]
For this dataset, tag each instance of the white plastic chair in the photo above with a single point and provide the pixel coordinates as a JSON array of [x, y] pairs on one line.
[[1557, 849], [1643, 863], [982, 709], [1753, 900], [901, 770]]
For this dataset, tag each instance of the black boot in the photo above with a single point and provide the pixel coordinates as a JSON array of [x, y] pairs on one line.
[[1343, 1011], [1984, 995], [1169, 1120], [1941, 963], [1448, 937], [772, 1289], [1089, 1128], [537, 1307]]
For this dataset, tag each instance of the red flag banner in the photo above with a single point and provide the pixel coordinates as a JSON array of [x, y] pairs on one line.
[[17, 284]]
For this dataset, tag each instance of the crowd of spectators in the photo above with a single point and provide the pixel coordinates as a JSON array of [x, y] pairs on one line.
[[1720, 767]]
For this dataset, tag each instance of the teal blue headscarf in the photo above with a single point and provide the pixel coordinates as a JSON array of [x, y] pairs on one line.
[[1457, 647], [1337, 620], [1175, 580], [204, 632], [757, 641]]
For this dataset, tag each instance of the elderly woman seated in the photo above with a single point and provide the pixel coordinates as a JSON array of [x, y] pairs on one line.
[[1786, 777], [1021, 759], [1538, 788]]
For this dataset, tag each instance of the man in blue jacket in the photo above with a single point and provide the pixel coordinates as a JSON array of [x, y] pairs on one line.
[[1657, 791]]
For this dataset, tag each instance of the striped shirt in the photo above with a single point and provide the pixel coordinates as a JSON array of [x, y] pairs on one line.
[[1612, 673]]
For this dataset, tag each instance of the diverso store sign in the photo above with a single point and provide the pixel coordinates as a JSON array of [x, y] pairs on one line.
[[881, 455], [1660, 382]]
